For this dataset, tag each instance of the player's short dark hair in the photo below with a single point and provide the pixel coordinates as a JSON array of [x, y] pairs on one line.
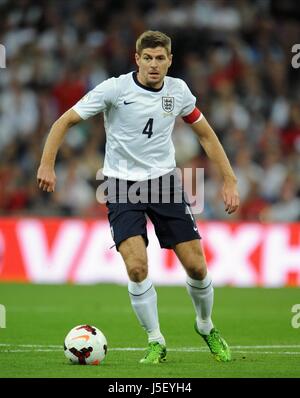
[[152, 39]]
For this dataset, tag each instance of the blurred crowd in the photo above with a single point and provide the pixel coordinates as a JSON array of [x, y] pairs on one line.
[[234, 55]]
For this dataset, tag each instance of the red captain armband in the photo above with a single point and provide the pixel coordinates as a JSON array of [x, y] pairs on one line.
[[193, 116]]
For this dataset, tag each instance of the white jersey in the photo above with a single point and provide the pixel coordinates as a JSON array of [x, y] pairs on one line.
[[138, 122]]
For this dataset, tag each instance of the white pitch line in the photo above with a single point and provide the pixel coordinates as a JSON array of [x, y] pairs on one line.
[[30, 345], [37, 350], [142, 348], [237, 349], [269, 352], [175, 350]]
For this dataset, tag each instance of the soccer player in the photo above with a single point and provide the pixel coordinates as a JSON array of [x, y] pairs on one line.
[[139, 114]]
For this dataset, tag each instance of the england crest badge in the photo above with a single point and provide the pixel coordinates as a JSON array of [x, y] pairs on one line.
[[168, 103]]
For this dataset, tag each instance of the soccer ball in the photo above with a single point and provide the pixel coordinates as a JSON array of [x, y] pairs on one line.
[[85, 345]]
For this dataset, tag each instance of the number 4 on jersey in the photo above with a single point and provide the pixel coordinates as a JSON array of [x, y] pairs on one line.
[[148, 128]]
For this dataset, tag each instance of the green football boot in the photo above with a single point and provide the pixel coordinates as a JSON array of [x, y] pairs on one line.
[[155, 353], [217, 345]]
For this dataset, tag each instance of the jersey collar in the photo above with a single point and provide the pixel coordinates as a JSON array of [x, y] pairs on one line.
[[134, 75]]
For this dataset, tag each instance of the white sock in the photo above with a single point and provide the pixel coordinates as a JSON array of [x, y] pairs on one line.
[[144, 303], [202, 294]]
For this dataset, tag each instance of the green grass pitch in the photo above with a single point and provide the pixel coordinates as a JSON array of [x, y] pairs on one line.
[[256, 323]]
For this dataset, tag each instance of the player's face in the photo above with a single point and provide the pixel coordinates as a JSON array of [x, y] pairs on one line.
[[153, 66]]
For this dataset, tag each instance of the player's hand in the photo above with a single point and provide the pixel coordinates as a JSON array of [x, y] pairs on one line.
[[46, 178], [231, 196]]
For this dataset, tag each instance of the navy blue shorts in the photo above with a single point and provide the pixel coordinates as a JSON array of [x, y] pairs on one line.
[[173, 222]]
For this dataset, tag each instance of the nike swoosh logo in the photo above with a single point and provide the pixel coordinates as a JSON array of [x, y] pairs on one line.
[[127, 103], [195, 229], [86, 337]]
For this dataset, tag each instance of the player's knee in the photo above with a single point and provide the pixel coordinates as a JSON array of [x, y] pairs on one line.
[[196, 272], [137, 273], [137, 269], [196, 267]]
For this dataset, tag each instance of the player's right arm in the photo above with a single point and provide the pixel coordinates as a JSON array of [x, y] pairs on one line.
[[46, 175]]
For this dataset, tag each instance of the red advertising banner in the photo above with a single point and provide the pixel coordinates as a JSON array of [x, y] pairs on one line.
[[79, 251]]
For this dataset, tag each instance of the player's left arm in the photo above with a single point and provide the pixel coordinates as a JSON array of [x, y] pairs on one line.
[[215, 152]]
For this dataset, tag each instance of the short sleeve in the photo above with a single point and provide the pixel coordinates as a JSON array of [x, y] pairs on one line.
[[97, 100], [188, 100]]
